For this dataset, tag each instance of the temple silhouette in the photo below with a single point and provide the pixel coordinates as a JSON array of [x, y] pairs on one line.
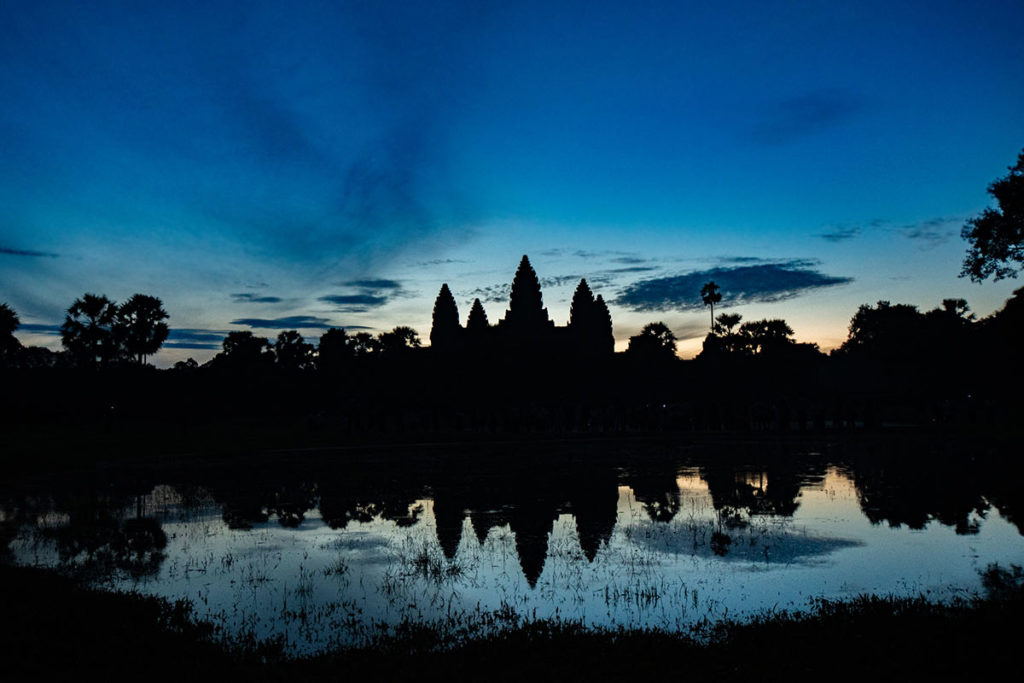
[[526, 329]]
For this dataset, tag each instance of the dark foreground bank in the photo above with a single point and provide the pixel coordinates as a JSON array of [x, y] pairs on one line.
[[53, 629]]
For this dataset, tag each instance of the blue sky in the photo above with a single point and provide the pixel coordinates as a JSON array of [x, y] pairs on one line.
[[262, 166]]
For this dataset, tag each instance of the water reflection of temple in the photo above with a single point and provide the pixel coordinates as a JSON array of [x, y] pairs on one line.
[[117, 526]]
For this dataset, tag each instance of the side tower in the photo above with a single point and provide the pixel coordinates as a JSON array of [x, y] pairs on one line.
[[445, 333]]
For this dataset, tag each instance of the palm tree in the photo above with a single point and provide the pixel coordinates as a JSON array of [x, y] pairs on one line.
[[87, 330], [710, 294], [139, 326], [9, 322]]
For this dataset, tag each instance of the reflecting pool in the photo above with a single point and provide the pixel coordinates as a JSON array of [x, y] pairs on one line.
[[339, 548]]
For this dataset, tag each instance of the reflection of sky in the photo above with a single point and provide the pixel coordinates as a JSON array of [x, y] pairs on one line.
[[321, 586], [267, 169]]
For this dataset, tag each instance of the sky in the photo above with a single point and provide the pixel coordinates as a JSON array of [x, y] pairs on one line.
[[267, 166]]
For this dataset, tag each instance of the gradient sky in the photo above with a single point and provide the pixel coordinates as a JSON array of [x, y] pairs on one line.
[[272, 166]]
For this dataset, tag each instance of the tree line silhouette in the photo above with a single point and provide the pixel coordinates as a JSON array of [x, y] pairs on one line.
[[898, 365]]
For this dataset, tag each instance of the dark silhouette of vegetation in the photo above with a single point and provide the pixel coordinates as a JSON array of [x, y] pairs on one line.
[[9, 344], [996, 237], [139, 326], [88, 333], [711, 294], [97, 332], [896, 368], [399, 340], [244, 351], [335, 351], [292, 352], [655, 343]]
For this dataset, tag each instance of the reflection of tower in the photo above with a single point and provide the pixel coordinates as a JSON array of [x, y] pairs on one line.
[[595, 507], [531, 523], [484, 520], [448, 518]]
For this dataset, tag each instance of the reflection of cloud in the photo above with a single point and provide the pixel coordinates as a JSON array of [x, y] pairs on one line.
[[758, 543], [8, 251], [292, 322], [251, 298], [840, 233], [765, 283], [796, 117]]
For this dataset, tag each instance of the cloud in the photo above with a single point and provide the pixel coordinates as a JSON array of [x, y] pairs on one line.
[[690, 330], [8, 251], [369, 293], [797, 117], [251, 298], [840, 233], [354, 303], [374, 284], [292, 322], [440, 262], [632, 269], [933, 232], [763, 282], [493, 294]]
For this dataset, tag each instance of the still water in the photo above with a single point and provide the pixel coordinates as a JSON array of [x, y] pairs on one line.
[[341, 548]]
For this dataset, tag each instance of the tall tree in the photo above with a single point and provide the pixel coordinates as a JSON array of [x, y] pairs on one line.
[[444, 332], [87, 331], [655, 341], [243, 350], [711, 294], [725, 322], [334, 350], [398, 340], [139, 326], [996, 237], [292, 351], [477, 319], [364, 344], [761, 336], [9, 344]]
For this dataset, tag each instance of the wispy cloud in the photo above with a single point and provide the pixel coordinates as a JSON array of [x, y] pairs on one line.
[[292, 322], [374, 284], [840, 233], [807, 114], [933, 232], [365, 294], [251, 298], [362, 302], [767, 282], [31, 253]]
